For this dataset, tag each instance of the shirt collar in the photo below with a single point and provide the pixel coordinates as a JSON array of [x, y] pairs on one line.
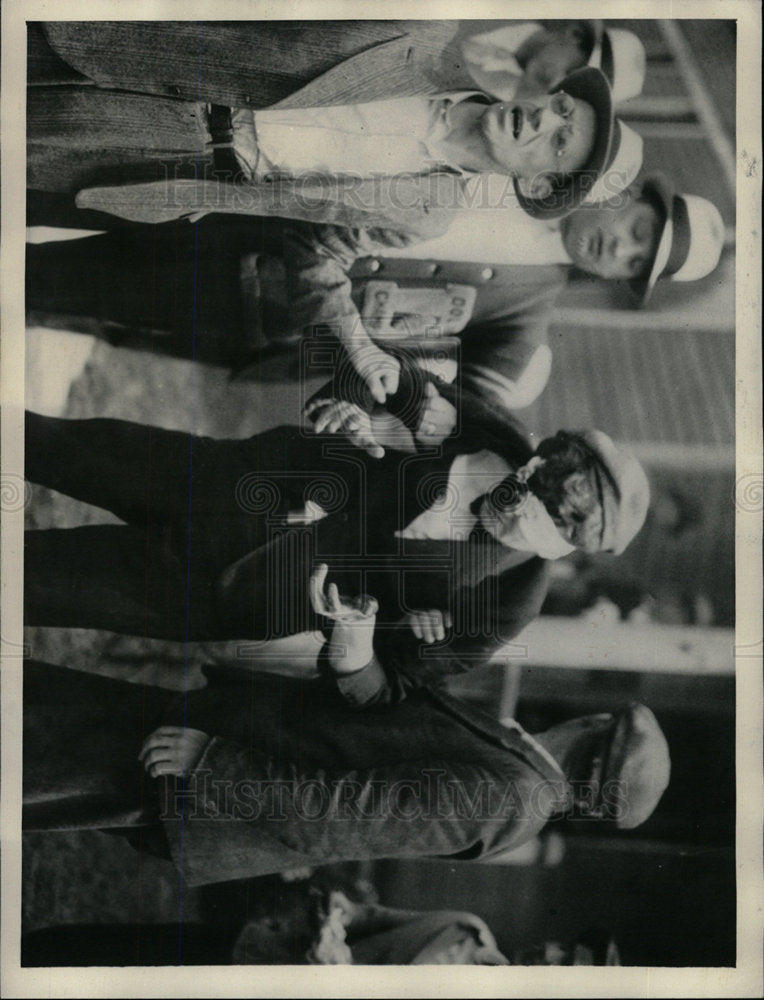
[[440, 122]]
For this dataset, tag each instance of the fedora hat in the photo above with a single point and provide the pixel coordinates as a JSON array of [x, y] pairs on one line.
[[590, 85], [691, 237], [621, 57]]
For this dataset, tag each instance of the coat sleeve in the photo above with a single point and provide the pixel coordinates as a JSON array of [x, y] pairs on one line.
[[486, 617], [506, 361], [427, 807]]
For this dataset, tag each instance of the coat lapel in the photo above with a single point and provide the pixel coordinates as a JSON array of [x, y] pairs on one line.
[[421, 205], [382, 72]]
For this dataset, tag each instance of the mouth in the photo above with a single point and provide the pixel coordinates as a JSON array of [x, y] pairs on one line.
[[517, 121]]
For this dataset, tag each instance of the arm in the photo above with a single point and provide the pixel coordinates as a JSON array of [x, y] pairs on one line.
[[405, 809], [486, 617]]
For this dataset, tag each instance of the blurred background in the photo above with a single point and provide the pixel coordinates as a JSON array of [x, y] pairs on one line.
[[654, 625]]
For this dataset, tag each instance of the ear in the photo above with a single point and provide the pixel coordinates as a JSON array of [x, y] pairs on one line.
[[580, 34], [538, 187]]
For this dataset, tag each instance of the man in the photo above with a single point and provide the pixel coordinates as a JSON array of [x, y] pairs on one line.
[[402, 163], [490, 318], [651, 233], [354, 134], [227, 290], [278, 773], [222, 536]]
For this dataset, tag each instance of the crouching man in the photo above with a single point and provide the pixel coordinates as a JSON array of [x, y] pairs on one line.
[[257, 773]]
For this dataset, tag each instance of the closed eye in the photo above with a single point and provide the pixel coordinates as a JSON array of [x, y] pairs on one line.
[[560, 140]]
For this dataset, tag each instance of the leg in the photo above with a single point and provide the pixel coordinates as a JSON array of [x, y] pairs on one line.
[[82, 736], [117, 578], [173, 289], [146, 474], [139, 944], [80, 136], [140, 473]]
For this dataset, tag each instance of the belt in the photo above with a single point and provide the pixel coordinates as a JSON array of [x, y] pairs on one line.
[[220, 128]]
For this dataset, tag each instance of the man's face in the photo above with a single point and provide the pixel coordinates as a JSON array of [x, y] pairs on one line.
[[578, 516], [613, 242], [571, 490], [539, 136]]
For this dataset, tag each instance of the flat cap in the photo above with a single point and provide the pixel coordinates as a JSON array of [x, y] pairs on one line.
[[624, 508]]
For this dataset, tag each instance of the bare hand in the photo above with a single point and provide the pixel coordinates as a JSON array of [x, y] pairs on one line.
[[390, 238], [172, 750], [379, 370], [438, 417], [337, 416], [358, 611], [429, 626], [351, 645]]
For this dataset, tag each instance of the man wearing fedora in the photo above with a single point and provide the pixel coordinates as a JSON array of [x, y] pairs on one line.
[[649, 233], [256, 141], [402, 163], [254, 774], [490, 318]]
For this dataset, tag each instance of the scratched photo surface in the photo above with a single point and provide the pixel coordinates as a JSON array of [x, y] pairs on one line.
[[380, 493]]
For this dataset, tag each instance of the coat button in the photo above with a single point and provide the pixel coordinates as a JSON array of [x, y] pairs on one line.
[[174, 90], [487, 273], [374, 265]]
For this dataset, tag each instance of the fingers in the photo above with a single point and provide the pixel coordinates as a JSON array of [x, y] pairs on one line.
[[379, 370], [159, 755], [316, 404], [367, 605], [327, 420], [329, 604], [333, 599], [429, 626], [164, 736], [438, 417], [365, 440], [316, 588], [390, 379], [373, 449], [377, 389], [171, 750]]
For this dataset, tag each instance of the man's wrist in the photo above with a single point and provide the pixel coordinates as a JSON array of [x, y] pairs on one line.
[[349, 657]]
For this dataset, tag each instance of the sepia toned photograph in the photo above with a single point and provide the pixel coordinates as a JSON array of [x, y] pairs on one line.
[[379, 493]]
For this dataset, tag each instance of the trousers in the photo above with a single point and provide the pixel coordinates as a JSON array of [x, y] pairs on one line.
[[82, 736]]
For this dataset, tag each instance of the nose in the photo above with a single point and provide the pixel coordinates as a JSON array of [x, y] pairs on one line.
[[621, 247], [533, 116]]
